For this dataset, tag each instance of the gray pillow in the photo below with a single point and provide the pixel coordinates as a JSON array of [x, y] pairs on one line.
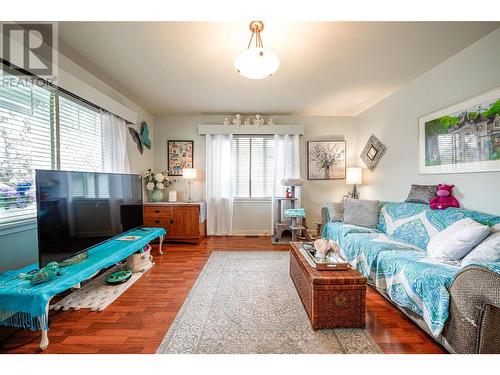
[[334, 211], [361, 212], [421, 193]]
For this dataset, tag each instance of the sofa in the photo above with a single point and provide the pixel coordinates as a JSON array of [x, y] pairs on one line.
[[458, 307]]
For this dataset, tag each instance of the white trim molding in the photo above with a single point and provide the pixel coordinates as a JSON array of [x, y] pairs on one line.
[[250, 129]]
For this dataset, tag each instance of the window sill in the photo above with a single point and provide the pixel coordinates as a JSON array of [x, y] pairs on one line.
[[17, 226], [252, 200]]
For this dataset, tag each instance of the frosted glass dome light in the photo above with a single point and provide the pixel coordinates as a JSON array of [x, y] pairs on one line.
[[256, 62]]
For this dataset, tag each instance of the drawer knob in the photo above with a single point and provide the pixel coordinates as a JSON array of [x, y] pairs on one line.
[[157, 221], [157, 211], [340, 300]]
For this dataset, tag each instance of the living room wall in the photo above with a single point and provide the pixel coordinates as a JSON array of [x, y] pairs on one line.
[[394, 121], [251, 216]]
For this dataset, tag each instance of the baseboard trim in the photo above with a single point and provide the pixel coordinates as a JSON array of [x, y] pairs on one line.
[[258, 232]]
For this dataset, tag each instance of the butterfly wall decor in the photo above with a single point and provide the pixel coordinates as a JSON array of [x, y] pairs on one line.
[[141, 138]]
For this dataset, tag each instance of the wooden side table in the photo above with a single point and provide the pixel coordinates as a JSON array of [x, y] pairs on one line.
[[332, 299]]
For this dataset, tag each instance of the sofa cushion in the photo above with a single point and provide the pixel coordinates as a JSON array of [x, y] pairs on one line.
[[457, 240], [487, 251], [421, 193], [416, 223], [334, 211], [361, 212]]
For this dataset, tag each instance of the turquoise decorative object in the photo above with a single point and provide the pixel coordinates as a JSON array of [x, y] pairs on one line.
[[47, 273], [156, 195], [73, 260], [295, 212], [141, 138]]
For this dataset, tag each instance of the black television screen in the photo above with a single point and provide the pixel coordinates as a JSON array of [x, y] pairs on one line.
[[78, 210]]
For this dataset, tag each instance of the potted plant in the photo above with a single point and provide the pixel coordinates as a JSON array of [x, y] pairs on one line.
[[156, 183]]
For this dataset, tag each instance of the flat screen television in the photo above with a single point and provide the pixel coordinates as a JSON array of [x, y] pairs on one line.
[[79, 210]]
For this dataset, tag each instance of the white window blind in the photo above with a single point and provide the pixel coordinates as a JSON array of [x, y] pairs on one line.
[[41, 128], [26, 143], [80, 136], [252, 166]]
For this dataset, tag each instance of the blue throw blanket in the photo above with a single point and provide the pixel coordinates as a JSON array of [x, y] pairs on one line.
[[397, 264], [23, 305]]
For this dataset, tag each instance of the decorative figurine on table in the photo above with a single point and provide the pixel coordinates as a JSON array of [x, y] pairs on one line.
[[225, 122], [247, 121], [270, 122], [45, 274], [288, 193]]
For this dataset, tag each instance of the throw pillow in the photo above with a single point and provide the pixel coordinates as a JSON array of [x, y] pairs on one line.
[[421, 193], [334, 211], [361, 212], [457, 240], [487, 251]]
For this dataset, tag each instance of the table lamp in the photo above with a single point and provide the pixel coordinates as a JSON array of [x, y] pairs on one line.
[[189, 174], [353, 177]]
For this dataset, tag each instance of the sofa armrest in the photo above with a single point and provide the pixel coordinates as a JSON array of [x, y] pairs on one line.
[[325, 216], [474, 318]]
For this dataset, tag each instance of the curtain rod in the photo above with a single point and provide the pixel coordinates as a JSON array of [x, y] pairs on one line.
[[14, 69]]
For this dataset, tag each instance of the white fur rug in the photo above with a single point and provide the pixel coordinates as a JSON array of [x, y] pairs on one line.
[[96, 294]]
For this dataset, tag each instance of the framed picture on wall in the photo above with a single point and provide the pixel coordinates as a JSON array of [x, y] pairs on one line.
[[326, 160], [462, 138], [180, 156]]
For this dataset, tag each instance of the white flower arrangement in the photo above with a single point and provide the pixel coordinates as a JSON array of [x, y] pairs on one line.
[[156, 181], [323, 246]]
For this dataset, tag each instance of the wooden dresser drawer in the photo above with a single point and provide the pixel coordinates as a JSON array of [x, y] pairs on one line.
[[157, 211], [157, 222]]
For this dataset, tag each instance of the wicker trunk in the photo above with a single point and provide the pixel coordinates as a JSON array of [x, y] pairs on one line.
[[332, 299]]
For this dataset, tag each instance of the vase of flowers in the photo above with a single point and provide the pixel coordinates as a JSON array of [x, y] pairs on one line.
[[156, 183]]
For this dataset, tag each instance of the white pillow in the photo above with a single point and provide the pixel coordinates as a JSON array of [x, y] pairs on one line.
[[487, 251], [457, 240]]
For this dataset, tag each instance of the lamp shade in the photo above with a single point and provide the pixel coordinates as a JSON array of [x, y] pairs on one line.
[[353, 176], [257, 63], [189, 173]]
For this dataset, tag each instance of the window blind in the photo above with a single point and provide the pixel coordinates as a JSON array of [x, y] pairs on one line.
[[80, 136], [41, 128], [252, 166], [26, 143]]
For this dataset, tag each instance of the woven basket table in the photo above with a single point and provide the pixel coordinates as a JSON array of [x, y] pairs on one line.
[[332, 299]]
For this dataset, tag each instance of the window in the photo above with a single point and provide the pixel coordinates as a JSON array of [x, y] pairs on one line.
[[252, 172], [41, 128]]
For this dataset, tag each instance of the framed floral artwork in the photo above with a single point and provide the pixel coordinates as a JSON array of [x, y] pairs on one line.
[[326, 160], [180, 156]]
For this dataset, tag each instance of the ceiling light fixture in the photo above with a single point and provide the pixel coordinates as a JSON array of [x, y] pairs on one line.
[[256, 62]]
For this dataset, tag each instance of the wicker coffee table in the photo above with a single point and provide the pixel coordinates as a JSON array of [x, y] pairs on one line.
[[332, 299]]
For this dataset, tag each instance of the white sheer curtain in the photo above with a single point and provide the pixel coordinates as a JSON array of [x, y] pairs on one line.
[[286, 165], [114, 143], [219, 194]]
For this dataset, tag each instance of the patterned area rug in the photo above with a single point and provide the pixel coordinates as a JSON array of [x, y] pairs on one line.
[[245, 302]]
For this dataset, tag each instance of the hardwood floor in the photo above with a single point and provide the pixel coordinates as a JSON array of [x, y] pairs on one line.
[[139, 319]]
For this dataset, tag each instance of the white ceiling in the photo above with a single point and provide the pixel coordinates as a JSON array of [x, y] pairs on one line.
[[334, 68]]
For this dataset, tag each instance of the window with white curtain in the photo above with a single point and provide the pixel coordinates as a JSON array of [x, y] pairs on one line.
[[252, 167], [41, 128]]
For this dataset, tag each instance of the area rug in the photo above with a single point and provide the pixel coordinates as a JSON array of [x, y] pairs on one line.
[[246, 302], [97, 294]]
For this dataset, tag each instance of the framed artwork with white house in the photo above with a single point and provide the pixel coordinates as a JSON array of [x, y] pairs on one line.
[[462, 138], [326, 160]]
